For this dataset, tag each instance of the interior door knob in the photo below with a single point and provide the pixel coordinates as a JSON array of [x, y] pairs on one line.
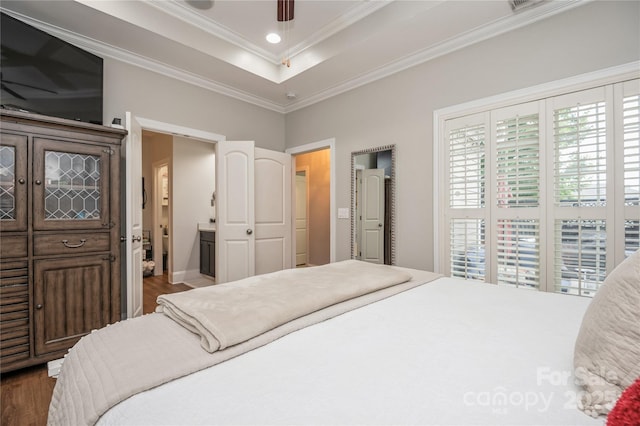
[[249, 231]]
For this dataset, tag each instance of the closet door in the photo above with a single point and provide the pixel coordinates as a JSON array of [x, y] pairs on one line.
[[253, 220], [235, 220], [272, 210], [372, 249]]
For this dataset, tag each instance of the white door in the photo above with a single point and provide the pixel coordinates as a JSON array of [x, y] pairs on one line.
[[134, 216], [235, 221], [272, 211], [373, 215], [301, 218]]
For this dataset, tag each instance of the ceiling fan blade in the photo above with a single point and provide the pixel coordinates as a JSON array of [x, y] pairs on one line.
[[285, 10]]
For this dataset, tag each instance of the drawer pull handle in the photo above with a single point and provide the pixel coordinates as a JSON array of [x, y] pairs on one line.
[[66, 243]]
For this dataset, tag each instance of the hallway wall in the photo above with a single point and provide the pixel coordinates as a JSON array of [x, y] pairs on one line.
[[318, 220]]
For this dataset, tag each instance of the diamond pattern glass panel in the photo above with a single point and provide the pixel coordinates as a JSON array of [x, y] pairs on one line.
[[72, 186], [7, 182]]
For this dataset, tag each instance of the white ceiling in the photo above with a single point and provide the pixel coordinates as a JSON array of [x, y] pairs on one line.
[[333, 46]]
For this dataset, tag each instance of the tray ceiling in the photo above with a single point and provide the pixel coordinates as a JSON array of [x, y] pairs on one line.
[[333, 46]]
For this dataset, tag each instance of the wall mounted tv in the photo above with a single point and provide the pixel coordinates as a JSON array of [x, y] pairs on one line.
[[45, 75]]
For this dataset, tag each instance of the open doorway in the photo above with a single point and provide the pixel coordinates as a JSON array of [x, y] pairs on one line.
[[179, 176], [313, 207], [302, 224], [157, 151]]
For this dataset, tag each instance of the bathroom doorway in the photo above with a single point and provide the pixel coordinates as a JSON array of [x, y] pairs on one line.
[[161, 212]]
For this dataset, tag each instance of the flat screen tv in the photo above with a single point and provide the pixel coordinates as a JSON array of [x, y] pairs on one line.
[[43, 74]]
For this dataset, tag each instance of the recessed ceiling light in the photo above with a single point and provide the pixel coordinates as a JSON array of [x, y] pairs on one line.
[[273, 38]]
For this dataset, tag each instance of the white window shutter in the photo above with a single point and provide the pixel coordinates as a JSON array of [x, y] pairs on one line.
[[580, 190], [631, 165], [515, 195], [466, 166], [544, 195], [464, 214]]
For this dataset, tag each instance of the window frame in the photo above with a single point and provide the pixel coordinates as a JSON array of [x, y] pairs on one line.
[[542, 96]]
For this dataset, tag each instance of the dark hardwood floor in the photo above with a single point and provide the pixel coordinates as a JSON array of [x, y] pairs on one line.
[[25, 394]]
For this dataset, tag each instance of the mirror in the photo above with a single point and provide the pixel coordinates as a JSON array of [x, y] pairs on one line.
[[373, 204]]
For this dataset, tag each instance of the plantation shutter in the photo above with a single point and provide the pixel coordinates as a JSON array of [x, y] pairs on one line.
[[546, 194], [465, 183], [580, 193], [631, 165], [516, 195]]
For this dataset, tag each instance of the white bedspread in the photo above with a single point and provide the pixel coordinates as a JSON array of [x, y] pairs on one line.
[[449, 352]]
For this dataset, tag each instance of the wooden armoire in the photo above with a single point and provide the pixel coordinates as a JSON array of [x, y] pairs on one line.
[[59, 234]]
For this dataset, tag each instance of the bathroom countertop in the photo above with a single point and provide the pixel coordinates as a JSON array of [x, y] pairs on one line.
[[206, 226]]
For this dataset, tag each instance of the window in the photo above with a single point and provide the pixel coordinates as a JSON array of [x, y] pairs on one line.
[[546, 194]]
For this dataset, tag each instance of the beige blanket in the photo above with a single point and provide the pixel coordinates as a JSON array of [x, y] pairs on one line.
[[118, 361], [227, 314]]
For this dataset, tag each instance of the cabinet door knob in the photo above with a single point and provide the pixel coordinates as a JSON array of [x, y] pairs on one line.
[[137, 238], [38, 306], [38, 182], [249, 231], [21, 181]]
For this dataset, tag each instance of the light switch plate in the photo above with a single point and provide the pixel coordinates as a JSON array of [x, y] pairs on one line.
[[343, 213]]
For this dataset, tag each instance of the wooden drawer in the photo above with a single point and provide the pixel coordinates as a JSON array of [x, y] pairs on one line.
[[13, 246], [70, 243]]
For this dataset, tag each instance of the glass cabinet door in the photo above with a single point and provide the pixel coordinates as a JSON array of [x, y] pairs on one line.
[[70, 185], [13, 182]]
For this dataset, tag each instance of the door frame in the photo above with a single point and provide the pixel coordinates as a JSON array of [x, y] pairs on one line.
[[310, 147], [167, 128]]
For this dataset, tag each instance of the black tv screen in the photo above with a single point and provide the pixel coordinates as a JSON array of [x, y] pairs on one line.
[[43, 74]]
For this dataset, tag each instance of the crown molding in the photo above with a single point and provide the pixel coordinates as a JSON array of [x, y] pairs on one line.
[[186, 14], [354, 15], [501, 26], [106, 50], [485, 32]]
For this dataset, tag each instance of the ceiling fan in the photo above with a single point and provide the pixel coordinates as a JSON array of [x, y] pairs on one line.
[[285, 14], [285, 10]]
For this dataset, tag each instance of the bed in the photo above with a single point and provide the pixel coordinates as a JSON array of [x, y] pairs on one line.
[[441, 351]]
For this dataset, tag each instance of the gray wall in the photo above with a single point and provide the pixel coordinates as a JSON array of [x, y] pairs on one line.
[[399, 109], [154, 96], [193, 181]]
